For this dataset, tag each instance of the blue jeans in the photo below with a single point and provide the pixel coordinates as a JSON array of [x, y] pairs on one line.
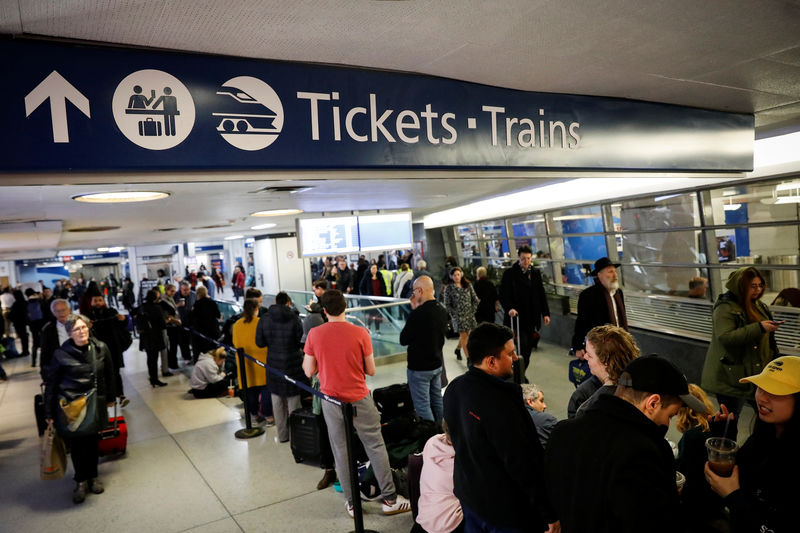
[[426, 392], [475, 524]]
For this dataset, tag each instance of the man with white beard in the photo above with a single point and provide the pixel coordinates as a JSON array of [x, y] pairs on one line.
[[600, 304]]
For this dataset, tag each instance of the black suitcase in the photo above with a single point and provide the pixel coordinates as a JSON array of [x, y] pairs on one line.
[[38, 409], [393, 401], [304, 435]]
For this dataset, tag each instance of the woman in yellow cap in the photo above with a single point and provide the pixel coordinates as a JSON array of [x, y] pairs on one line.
[[763, 491]]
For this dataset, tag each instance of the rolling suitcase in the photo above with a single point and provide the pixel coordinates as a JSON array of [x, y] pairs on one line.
[[393, 401], [304, 435], [114, 439], [38, 409]]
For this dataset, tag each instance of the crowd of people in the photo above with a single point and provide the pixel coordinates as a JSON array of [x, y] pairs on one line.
[[502, 462]]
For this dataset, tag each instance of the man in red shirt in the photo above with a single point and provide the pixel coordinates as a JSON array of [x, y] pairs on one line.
[[342, 354]]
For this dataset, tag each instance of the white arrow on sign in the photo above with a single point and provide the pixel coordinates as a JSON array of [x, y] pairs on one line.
[[58, 90]]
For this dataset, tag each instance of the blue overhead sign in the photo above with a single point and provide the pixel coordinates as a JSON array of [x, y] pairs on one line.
[[77, 107]]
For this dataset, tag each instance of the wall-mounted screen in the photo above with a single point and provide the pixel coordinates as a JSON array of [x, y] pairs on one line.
[[324, 236], [385, 232]]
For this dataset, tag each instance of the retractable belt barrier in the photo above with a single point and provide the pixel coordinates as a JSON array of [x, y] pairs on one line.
[[348, 411]]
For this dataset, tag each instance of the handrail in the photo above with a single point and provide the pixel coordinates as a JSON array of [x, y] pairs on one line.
[[379, 306]]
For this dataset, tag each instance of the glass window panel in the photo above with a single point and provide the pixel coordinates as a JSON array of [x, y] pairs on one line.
[[587, 248], [663, 247], [528, 226], [570, 273], [494, 229], [755, 202], [760, 245], [576, 220], [538, 245], [657, 213], [776, 280], [673, 281], [467, 236]]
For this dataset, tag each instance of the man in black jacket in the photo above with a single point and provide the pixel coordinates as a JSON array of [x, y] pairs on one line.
[[54, 333], [602, 303], [498, 469], [424, 334], [632, 487], [522, 294]]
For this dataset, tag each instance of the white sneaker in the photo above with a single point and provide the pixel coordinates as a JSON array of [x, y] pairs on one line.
[[400, 505], [349, 508]]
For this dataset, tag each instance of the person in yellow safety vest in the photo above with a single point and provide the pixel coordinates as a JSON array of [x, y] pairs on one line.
[[388, 277]]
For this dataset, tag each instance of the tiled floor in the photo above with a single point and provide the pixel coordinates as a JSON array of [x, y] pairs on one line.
[[185, 471]]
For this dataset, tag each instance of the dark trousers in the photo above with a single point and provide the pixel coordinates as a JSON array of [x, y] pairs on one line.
[[152, 364], [526, 346], [475, 524], [84, 456], [36, 333], [326, 460], [253, 394], [22, 332], [212, 390], [184, 341], [174, 336], [200, 345]]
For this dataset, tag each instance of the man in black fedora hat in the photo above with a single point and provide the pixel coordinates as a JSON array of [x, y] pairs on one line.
[[600, 304]]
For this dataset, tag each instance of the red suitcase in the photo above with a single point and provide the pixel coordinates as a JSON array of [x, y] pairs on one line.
[[114, 439]]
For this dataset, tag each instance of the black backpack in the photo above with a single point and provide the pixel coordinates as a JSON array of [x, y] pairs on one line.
[[34, 310]]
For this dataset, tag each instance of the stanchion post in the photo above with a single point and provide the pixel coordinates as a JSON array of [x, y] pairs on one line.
[[348, 412], [247, 432]]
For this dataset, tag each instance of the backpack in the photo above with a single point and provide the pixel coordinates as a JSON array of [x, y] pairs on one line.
[[579, 371], [34, 310]]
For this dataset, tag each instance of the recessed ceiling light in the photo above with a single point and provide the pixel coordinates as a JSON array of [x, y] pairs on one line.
[[103, 249], [120, 197], [276, 212], [233, 237], [264, 226]]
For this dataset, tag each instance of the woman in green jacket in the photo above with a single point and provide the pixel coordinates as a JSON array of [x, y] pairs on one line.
[[742, 341]]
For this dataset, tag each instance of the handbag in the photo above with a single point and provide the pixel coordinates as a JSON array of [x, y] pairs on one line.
[[78, 416], [53, 460]]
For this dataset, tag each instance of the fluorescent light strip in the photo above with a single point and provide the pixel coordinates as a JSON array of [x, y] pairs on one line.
[[564, 194], [276, 212]]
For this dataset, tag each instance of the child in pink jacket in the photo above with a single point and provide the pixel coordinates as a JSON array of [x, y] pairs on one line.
[[439, 509]]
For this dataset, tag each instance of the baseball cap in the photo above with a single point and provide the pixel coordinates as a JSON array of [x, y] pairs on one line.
[[656, 375], [781, 377]]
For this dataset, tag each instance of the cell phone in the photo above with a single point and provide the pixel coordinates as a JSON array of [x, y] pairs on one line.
[[778, 322]]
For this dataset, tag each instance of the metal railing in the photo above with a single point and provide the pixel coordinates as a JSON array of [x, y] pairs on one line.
[[690, 318]]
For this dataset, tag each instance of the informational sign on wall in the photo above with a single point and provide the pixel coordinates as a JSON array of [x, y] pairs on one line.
[[77, 107]]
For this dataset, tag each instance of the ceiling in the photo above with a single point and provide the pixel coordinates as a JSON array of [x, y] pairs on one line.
[[741, 56], [192, 206]]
